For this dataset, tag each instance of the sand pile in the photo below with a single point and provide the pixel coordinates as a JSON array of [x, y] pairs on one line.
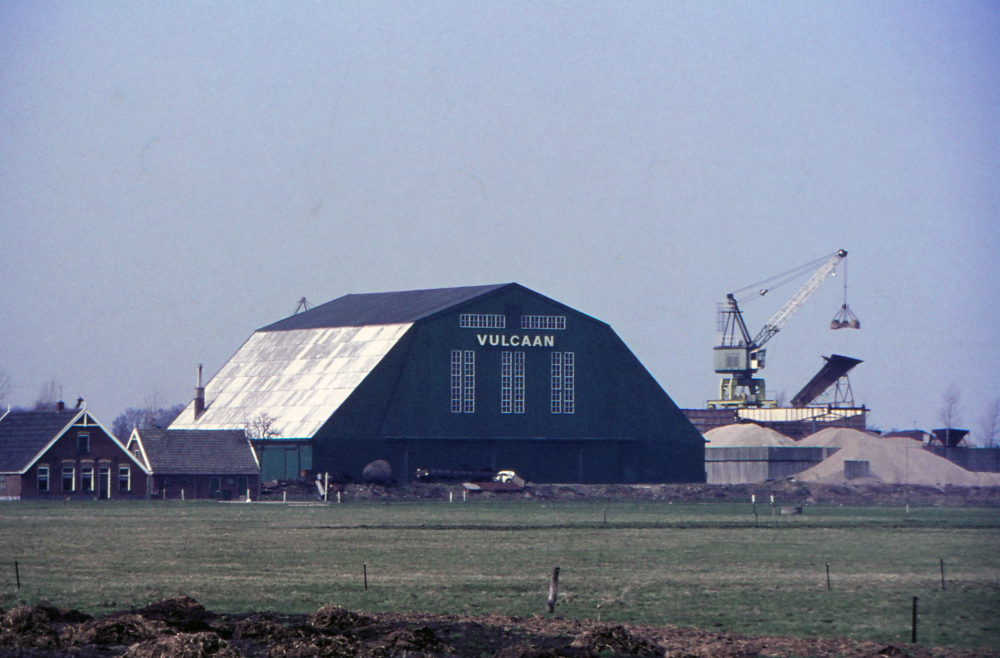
[[745, 435], [892, 460]]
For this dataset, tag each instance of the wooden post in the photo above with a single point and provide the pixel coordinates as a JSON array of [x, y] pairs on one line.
[[365, 567], [17, 574], [182, 495], [553, 591], [942, 573], [915, 599], [451, 496], [338, 497], [284, 496], [828, 575], [326, 486], [605, 514], [753, 501], [774, 516]]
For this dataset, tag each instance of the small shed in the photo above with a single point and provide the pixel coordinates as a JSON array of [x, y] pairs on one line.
[[65, 454], [198, 464]]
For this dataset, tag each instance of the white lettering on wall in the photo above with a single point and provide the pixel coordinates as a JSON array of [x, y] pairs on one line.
[[502, 340]]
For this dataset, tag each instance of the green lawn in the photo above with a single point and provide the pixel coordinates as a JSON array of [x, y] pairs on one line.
[[704, 565]]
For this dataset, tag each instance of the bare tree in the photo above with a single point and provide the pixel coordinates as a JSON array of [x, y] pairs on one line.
[[989, 425], [48, 396], [260, 430], [950, 407]]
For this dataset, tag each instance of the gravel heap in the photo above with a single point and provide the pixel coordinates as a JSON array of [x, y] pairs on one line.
[[890, 460], [745, 435]]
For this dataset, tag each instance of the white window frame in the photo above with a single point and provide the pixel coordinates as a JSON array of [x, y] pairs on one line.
[[547, 322], [506, 382], [456, 381], [469, 382], [127, 472], [556, 385], [43, 477], [482, 321], [83, 436], [84, 471], [71, 470], [519, 382], [569, 382]]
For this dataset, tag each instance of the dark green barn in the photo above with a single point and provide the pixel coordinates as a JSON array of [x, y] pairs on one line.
[[495, 377]]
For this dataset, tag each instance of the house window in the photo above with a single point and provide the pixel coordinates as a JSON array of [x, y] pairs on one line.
[[563, 399], [543, 321], [123, 479], [68, 478], [86, 478], [463, 381], [43, 478], [482, 321], [83, 444], [3, 482]]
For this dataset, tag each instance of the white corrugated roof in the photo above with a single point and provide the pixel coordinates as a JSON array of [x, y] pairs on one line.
[[299, 377]]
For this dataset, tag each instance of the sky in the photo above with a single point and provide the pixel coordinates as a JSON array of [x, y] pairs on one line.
[[177, 174]]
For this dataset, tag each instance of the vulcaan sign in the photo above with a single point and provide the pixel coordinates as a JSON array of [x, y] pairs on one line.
[[503, 340]]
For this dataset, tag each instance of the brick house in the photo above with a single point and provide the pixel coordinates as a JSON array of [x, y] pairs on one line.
[[198, 464], [65, 454]]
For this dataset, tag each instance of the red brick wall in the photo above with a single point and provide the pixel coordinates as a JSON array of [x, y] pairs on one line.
[[169, 487], [102, 451]]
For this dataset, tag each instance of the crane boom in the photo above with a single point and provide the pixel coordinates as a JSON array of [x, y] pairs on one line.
[[779, 319]]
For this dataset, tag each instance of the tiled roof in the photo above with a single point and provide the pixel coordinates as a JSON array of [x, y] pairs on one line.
[[381, 308], [23, 435], [198, 452]]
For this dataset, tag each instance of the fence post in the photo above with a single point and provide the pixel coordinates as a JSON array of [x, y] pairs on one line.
[[553, 590], [915, 599]]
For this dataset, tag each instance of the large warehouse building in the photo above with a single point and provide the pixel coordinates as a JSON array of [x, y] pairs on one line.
[[496, 377]]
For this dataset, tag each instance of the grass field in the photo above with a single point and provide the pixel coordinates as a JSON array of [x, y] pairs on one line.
[[703, 565]]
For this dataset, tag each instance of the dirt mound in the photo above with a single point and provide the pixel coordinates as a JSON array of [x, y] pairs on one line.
[[619, 641], [184, 645], [28, 627], [117, 630], [183, 613], [890, 460], [745, 435], [335, 632], [333, 618]]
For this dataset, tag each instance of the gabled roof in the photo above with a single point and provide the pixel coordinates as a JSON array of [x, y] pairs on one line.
[[381, 308], [197, 452], [26, 435]]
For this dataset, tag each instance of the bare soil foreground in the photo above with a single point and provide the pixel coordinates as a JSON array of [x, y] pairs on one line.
[[182, 628]]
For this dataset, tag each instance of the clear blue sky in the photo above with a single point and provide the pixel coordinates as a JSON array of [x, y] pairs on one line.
[[174, 175]]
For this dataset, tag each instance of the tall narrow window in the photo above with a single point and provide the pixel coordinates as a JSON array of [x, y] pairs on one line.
[[83, 444], [43, 478], [469, 382], [519, 382], [563, 383], [569, 382], [68, 478], [557, 389], [463, 381], [456, 381], [506, 380], [87, 478], [512, 382], [123, 479]]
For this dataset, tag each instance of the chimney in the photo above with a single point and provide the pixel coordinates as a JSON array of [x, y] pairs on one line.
[[79, 401], [199, 397], [60, 406]]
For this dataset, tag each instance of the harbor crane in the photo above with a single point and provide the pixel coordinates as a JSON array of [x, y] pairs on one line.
[[738, 357]]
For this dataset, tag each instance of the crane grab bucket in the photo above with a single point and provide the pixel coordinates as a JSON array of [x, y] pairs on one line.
[[845, 319]]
